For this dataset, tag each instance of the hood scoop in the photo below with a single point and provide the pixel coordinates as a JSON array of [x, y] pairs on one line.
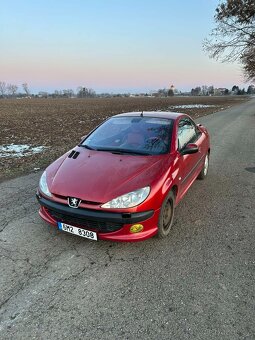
[[74, 154]]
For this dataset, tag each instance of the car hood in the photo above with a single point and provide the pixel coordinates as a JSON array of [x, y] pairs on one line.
[[99, 176]]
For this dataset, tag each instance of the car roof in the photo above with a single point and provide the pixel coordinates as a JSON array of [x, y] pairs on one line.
[[154, 114]]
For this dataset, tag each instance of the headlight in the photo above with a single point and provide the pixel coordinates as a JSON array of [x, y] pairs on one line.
[[129, 200], [43, 185]]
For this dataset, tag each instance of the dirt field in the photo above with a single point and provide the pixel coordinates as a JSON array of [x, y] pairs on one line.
[[58, 124]]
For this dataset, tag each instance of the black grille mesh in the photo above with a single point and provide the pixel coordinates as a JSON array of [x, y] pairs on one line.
[[85, 223]]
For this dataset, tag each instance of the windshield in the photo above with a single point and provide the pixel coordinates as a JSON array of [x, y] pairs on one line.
[[132, 135]]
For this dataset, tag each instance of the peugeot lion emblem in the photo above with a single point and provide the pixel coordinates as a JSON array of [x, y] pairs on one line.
[[73, 202]]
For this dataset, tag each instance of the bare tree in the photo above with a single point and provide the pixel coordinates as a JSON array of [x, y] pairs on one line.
[[251, 89], [248, 60], [233, 39], [3, 88], [211, 90], [84, 92], [57, 94], [12, 89], [162, 93], [68, 93], [204, 90], [196, 91], [79, 90], [25, 88]]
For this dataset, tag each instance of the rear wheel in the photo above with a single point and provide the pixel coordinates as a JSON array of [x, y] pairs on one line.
[[203, 173], [166, 215]]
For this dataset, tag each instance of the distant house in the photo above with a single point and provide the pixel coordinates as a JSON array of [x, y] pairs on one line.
[[42, 94]]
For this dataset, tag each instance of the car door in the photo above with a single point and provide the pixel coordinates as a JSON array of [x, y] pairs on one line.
[[188, 164]]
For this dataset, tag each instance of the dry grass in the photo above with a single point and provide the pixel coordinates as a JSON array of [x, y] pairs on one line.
[[60, 123]]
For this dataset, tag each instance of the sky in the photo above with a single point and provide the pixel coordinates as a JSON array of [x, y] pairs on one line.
[[110, 45]]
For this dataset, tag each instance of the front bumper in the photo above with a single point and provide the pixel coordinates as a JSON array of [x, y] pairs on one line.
[[108, 225]]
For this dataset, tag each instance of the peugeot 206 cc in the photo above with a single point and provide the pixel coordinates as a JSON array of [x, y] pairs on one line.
[[125, 178]]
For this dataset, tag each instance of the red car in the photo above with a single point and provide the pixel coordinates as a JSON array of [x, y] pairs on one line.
[[123, 181]]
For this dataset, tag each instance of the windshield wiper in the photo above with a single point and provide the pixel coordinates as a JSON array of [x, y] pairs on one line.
[[118, 151], [126, 152]]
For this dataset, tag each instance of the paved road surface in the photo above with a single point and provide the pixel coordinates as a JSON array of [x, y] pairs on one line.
[[196, 284]]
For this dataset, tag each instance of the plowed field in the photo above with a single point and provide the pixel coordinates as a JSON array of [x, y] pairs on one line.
[[58, 124]]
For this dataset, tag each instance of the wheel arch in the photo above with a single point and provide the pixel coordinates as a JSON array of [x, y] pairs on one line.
[[175, 190]]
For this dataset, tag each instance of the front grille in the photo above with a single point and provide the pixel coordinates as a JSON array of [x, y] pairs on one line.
[[104, 227]]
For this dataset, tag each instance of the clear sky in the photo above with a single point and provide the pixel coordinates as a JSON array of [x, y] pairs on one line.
[[110, 45]]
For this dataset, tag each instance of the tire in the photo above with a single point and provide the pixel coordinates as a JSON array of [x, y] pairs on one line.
[[166, 216], [203, 173]]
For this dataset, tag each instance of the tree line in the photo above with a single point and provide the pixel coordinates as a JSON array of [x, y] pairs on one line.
[[8, 90], [205, 90], [210, 90], [11, 91]]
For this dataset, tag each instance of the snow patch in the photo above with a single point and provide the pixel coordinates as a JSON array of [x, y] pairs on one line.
[[19, 150], [192, 106]]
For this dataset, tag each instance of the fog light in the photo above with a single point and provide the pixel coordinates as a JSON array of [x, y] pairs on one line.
[[136, 228]]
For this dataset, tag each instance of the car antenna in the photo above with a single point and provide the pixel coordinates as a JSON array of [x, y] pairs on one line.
[[141, 115]]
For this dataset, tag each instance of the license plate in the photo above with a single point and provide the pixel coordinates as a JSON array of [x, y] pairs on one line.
[[77, 231]]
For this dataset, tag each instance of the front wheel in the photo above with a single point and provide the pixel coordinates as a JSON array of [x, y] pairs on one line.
[[203, 173], [166, 216]]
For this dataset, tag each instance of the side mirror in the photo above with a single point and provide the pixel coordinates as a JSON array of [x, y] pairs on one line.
[[189, 149], [83, 137]]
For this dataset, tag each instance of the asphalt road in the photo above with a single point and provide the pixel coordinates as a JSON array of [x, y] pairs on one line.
[[196, 284]]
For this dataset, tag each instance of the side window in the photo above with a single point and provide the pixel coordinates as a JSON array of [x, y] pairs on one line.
[[186, 133]]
